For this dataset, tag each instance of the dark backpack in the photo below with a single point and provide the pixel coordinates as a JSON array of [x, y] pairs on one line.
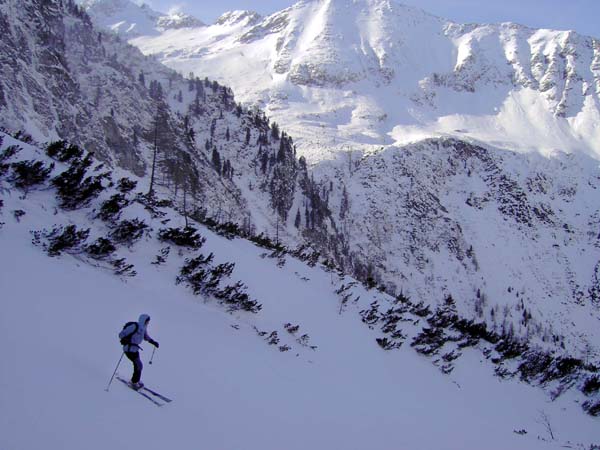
[[125, 339]]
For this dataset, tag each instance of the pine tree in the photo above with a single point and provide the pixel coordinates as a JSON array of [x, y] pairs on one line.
[[298, 220], [345, 204], [275, 130], [216, 160]]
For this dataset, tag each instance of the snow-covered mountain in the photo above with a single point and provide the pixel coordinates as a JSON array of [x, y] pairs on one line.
[[375, 72], [130, 19], [458, 159]]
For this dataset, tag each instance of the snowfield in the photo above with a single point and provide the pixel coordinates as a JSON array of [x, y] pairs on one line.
[[60, 316]]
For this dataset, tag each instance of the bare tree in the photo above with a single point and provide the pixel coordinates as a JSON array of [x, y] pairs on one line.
[[545, 422]]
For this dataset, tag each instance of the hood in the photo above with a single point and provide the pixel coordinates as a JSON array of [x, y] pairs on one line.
[[142, 320]]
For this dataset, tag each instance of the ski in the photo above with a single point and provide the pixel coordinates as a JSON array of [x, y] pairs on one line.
[[139, 391], [162, 397]]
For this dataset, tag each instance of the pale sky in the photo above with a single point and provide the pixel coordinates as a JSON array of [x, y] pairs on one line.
[[582, 16]]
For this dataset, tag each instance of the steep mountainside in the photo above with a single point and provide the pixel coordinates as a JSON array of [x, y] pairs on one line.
[[453, 159], [66, 80]]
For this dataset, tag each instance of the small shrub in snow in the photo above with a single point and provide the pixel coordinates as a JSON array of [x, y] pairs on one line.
[[304, 342], [162, 257], [420, 310], [5, 155], [152, 204], [125, 185], [429, 341], [121, 267], [29, 173], [100, 249], [22, 136], [236, 297], [476, 330], [445, 315], [128, 231], [263, 241], [18, 213], [273, 338], [111, 208], [63, 152], [371, 316], [184, 237], [195, 273], [534, 364], [509, 348], [591, 385], [206, 279], [61, 239], [593, 409], [75, 189], [292, 329], [386, 344]]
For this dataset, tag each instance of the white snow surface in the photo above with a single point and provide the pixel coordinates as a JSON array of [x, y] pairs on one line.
[[60, 316]]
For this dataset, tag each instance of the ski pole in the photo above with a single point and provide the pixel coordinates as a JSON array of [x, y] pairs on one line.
[[152, 357], [114, 373]]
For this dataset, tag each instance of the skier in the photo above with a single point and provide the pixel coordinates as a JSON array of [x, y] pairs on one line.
[[132, 336]]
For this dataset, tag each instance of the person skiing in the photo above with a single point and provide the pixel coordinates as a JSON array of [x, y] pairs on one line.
[[131, 337]]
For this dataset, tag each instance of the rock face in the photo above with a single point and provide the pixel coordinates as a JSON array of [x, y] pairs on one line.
[[58, 82]]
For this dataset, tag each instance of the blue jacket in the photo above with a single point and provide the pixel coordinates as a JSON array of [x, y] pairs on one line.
[[140, 335]]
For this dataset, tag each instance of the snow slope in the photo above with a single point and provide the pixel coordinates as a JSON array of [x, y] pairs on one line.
[[60, 316]]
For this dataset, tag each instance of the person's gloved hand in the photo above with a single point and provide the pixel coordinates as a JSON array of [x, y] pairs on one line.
[[154, 343]]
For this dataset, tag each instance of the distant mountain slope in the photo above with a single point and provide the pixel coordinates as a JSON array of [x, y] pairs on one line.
[[373, 72], [127, 18]]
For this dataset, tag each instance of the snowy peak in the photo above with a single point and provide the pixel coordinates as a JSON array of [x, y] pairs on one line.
[[178, 20], [238, 17], [127, 18], [332, 42]]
